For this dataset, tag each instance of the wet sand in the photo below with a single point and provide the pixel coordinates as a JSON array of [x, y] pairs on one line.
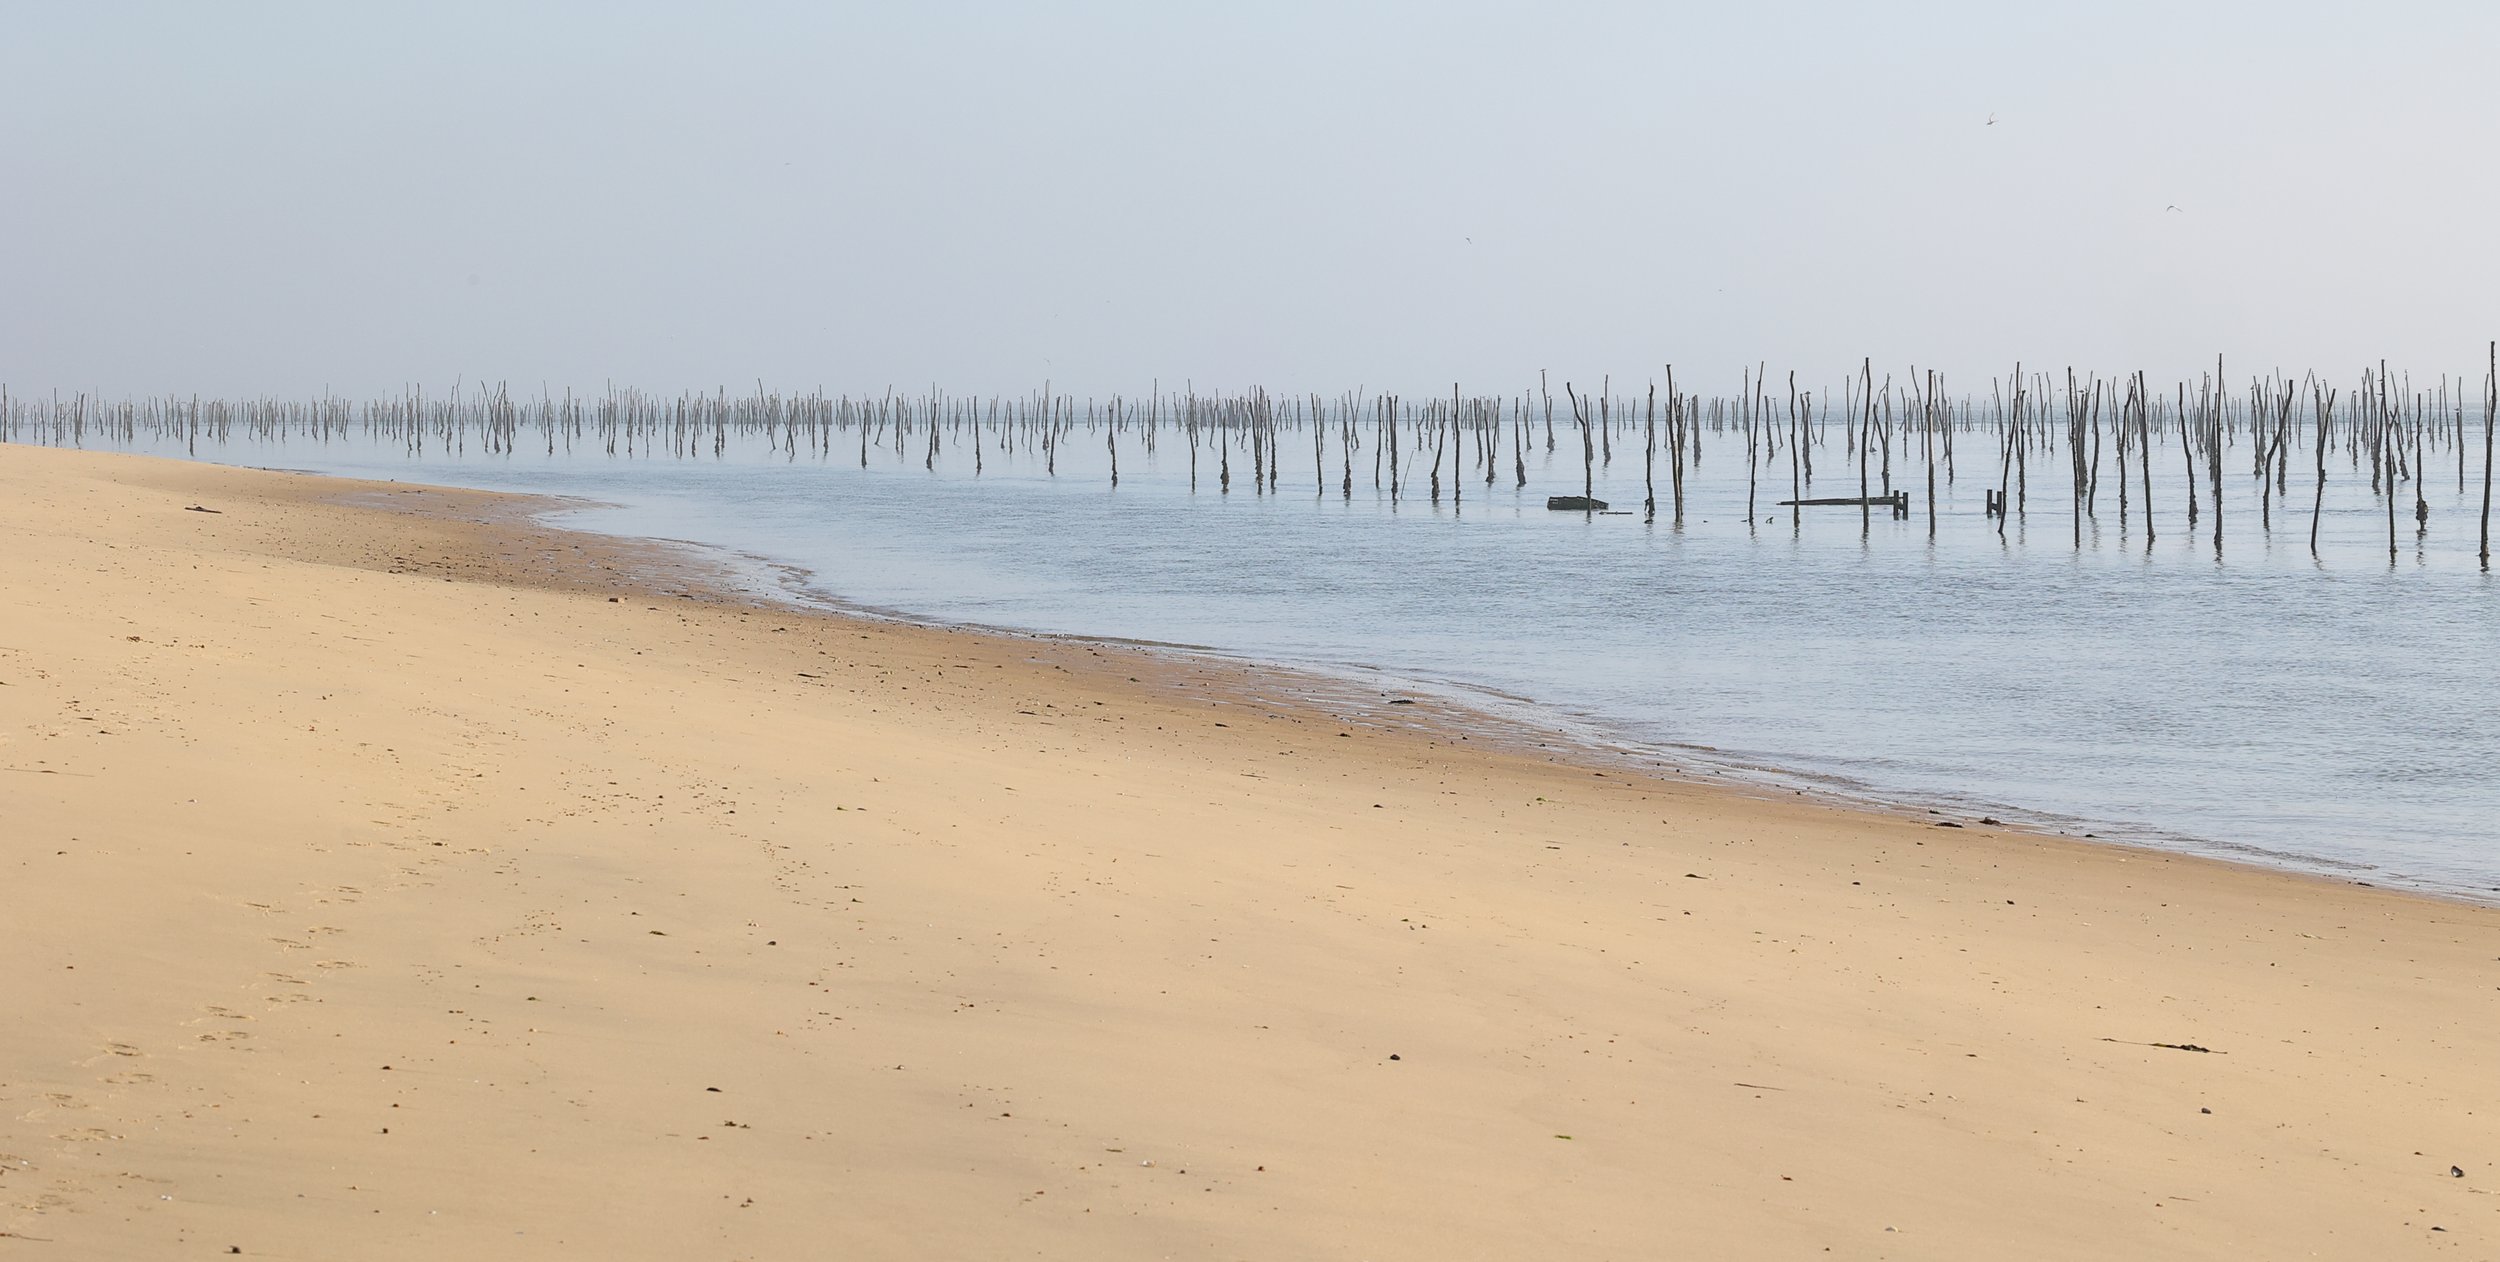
[[385, 877]]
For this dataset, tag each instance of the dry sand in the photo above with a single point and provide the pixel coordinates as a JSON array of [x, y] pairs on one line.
[[375, 887]]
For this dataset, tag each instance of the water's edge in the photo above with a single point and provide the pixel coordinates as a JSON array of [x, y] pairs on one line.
[[1462, 709]]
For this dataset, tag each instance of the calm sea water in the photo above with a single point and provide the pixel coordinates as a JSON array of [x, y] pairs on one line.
[[2333, 713]]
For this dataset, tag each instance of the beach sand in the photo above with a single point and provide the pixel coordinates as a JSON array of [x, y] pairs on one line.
[[384, 877]]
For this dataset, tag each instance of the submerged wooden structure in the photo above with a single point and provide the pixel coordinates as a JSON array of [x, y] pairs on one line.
[[2102, 435]]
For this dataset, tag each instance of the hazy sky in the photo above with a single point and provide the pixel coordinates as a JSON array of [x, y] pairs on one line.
[[244, 198]]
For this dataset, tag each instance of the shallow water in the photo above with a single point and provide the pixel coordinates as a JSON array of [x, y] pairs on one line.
[[2331, 713]]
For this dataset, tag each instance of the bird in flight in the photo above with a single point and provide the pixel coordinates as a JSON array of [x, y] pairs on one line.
[[2174, 210], [1992, 120]]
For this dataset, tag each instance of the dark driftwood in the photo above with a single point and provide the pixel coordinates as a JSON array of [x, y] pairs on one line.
[[1575, 504]]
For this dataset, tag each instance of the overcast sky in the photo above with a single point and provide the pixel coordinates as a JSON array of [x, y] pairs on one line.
[[244, 198]]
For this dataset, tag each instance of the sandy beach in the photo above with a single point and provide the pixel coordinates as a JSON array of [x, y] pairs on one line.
[[388, 877]]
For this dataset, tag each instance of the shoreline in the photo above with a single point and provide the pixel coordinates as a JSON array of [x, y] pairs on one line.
[[1522, 723], [395, 883], [739, 574]]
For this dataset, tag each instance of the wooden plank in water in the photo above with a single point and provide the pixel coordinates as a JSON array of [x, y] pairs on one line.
[[1898, 502]]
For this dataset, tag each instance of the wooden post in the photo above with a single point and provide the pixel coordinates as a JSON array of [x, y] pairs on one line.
[[1927, 444], [2322, 399], [1649, 458], [1796, 439], [1549, 409], [2005, 464], [1679, 417], [1588, 450], [1866, 422], [2491, 404], [1751, 448], [2384, 459]]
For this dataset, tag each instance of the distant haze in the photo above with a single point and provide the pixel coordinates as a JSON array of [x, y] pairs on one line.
[[252, 198]]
